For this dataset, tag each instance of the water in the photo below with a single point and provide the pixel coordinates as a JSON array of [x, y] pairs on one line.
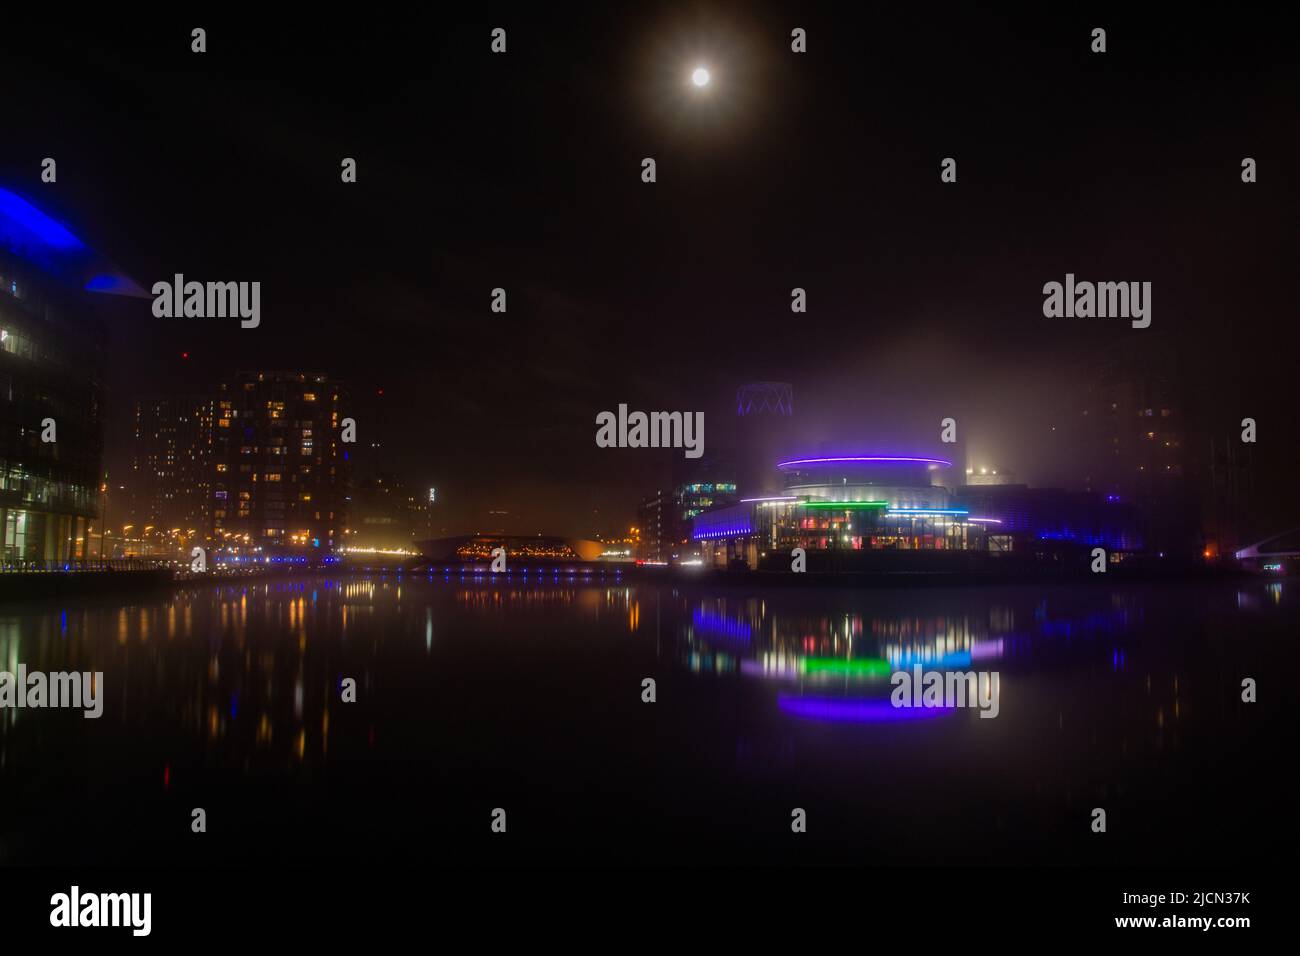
[[475, 694]]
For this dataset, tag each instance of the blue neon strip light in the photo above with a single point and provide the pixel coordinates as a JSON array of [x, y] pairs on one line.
[[724, 533], [953, 659]]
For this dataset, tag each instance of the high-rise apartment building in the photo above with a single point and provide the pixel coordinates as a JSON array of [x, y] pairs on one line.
[[280, 469], [171, 463]]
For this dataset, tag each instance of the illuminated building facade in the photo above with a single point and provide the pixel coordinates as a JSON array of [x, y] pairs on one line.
[[51, 362], [666, 518], [696, 497], [847, 503], [520, 549], [280, 471], [171, 462], [989, 476], [858, 504], [621, 548]]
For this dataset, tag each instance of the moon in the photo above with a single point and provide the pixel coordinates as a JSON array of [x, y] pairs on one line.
[[700, 77]]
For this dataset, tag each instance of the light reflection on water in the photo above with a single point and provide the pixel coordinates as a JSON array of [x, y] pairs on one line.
[[256, 641], [245, 680]]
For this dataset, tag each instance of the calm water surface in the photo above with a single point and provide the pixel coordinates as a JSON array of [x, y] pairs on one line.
[[526, 695]]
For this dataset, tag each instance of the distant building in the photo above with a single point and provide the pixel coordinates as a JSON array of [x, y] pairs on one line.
[[843, 504], [842, 509], [764, 426], [665, 518], [989, 476], [280, 471], [1029, 516], [385, 514], [520, 549], [691, 498], [658, 537], [621, 547], [171, 462], [51, 364], [1227, 478], [1135, 434]]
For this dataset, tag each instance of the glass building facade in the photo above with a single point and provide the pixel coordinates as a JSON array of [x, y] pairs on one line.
[[51, 385], [665, 518], [844, 503], [857, 504]]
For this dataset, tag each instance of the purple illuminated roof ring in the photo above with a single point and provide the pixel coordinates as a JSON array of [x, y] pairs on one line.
[[855, 710], [855, 458]]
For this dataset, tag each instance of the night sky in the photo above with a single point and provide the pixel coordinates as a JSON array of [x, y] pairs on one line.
[[818, 170]]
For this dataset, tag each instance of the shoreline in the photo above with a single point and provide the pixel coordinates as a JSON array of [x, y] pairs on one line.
[[44, 585]]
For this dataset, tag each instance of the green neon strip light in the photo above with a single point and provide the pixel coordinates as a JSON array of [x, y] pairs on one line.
[[857, 667], [846, 505]]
